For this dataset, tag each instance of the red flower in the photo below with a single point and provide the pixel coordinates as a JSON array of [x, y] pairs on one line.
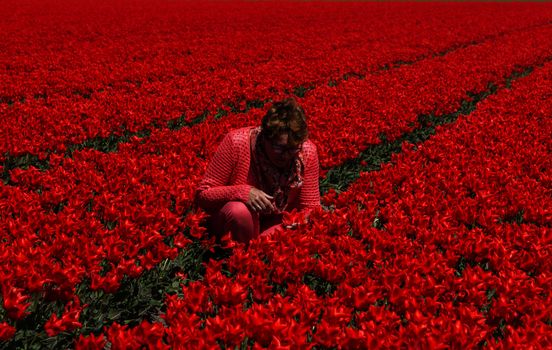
[[67, 322], [91, 342], [6, 331], [15, 303]]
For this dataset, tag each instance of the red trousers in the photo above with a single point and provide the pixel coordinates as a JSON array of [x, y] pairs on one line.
[[243, 224]]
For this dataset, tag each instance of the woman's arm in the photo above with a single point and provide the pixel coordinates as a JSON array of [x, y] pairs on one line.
[[309, 197], [213, 191]]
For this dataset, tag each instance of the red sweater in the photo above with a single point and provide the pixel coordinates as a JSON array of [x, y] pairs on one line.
[[228, 176]]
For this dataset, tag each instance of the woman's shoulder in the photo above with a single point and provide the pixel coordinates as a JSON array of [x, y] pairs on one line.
[[239, 137], [310, 152], [240, 132], [309, 147]]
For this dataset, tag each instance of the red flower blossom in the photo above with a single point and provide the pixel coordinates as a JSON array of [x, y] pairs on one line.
[[15, 303], [90, 342], [6, 331], [68, 321]]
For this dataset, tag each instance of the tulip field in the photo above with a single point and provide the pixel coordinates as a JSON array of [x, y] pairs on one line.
[[433, 125]]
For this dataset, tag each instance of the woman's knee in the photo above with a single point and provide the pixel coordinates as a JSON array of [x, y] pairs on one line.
[[236, 211], [240, 221]]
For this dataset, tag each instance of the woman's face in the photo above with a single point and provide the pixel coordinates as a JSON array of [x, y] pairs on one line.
[[279, 152]]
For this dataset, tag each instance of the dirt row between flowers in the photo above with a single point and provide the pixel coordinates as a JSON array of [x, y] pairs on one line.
[[124, 132], [106, 308]]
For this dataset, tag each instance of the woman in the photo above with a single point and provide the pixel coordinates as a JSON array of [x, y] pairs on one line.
[[257, 173]]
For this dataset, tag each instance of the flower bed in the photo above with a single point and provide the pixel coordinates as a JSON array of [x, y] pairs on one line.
[[450, 239]]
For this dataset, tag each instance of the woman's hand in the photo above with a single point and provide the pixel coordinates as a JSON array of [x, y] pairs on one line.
[[260, 201]]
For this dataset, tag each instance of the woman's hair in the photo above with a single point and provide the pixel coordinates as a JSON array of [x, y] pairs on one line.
[[285, 117]]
